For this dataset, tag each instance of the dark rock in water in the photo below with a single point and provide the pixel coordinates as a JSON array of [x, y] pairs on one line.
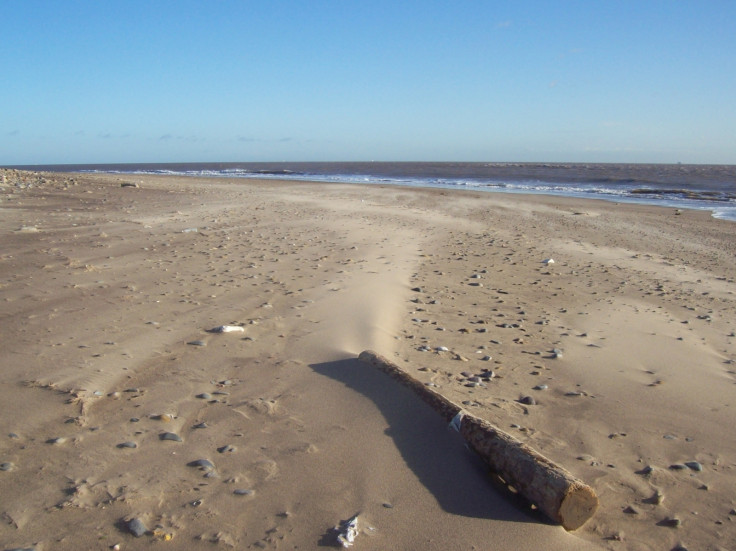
[[170, 436], [136, 527]]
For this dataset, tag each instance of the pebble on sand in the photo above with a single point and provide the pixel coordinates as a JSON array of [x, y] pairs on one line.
[[170, 436], [136, 527], [202, 464], [228, 329], [670, 522]]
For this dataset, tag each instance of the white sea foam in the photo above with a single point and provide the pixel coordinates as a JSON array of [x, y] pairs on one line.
[[629, 191]]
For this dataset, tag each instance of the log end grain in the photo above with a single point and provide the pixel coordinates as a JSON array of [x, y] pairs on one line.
[[578, 506]]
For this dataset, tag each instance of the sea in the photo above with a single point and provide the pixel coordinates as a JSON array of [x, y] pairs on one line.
[[706, 187]]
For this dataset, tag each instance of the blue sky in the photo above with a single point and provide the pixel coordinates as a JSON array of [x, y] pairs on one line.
[[176, 81]]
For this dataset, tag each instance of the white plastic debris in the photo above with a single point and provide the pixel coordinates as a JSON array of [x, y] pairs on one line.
[[457, 421], [548, 261], [228, 329], [348, 531]]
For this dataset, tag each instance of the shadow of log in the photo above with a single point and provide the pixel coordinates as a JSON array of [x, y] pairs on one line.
[[436, 454]]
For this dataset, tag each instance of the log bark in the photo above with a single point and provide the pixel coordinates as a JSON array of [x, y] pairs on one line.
[[557, 493]]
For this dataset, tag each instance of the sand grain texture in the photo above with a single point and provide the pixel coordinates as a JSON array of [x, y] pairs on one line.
[[109, 294]]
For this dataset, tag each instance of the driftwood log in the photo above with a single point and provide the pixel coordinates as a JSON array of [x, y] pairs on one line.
[[563, 498]]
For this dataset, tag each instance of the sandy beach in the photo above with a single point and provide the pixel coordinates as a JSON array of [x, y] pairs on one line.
[[602, 335]]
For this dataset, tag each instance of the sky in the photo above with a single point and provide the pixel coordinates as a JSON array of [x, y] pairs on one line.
[[227, 81]]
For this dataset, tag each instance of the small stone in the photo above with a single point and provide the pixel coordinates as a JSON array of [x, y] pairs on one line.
[[7, 466], [227, 329], [170, 436], [127, 445], [656, 499], [241, 492], [528, 400], [136, 527], [670, 522], [631, 510], [202, 464], [678, 467], [204, 396], [58, 440], [226, 449], [541, 387], [694, 465], [197, 343], [202, 425]]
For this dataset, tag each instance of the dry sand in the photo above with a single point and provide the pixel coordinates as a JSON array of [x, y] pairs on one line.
[[104, 288]]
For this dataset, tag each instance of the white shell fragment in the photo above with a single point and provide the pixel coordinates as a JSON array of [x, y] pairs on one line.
[[348, 531], [548, 261], [228, 329]]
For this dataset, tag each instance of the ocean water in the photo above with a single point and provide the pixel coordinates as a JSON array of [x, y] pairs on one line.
[[708, 187]]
